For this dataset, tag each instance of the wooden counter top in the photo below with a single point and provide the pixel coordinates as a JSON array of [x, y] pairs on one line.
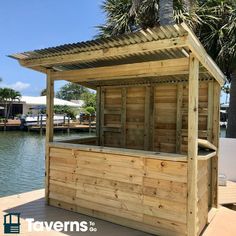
[[122, 151]]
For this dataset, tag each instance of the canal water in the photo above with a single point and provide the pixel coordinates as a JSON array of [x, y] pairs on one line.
[[22, 161]]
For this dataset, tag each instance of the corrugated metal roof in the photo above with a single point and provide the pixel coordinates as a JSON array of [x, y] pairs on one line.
[[147, 35], [112, 51]]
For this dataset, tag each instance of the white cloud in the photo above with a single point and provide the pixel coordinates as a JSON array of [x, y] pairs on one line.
[[19, 86]]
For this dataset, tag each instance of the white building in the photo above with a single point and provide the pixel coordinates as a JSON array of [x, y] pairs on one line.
[[29, 104]]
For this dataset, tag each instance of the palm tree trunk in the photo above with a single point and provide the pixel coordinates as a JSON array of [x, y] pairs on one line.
[[5, 119], [187, 5], [9, 110], [166, 12], [231, 127]]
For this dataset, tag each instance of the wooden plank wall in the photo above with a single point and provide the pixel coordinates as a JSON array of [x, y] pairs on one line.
[[202, 114], [151, 117], [202, 186], [165, 103], [144, 193]]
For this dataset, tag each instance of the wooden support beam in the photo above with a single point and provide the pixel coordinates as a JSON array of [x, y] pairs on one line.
[[210, 110], [215, 141], [198, 50], [179, 117], [123, 117], [102, 105], [104, 53], [152, 116], [49, 129], [127, 71], [147, 119], [98, 113], [192, 209]]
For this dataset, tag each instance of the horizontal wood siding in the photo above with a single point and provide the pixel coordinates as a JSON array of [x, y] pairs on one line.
[[203, 189], [155, 121], [202, 114], [111, 126], [147, 191], [165, 105], [135, 112]]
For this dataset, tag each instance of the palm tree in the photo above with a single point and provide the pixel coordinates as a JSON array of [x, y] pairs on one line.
[[7, 96], [166, 12], [214, 22], [218, 35], [43, 92], [124, 16]]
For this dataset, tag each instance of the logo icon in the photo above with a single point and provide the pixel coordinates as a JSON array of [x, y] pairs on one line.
[[12, 223]]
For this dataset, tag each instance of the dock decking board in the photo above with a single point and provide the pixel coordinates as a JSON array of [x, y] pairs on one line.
[[227, 194], [32, 205]]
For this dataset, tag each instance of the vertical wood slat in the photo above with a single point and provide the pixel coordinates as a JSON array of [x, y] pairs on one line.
[[179, 117], [49, 129], [123, 117], [215, 141], [98, 111], [209, 136], [210, 111], [102, 116], [192, 216], [147, 119], [152, 110]]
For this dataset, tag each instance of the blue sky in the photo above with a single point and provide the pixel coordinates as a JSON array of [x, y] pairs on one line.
[[34, 24]]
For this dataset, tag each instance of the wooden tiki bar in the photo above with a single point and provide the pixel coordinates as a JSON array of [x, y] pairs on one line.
[[153, 163]]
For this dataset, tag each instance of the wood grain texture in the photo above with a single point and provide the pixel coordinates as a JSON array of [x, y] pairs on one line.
[[192, 212], [150, 192]]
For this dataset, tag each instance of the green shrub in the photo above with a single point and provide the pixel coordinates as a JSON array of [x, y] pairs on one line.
[[90, 110]]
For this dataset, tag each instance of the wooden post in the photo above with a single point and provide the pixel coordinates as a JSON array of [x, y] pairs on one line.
[[68, 124], [215, 141], [147, 119], [41, 124], [90, 127], [49, 129], [210, 111], [123, 117], [98, 113], [102, 116], [179, 117], [192, 216], [152, 117]]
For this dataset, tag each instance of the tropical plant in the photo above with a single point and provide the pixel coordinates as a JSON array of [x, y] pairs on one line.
[[7, 96], [43, 92], [90, 110], [214, 22], [218, 35], [89, 99], [71, 91], [123, 16], [66, 110]]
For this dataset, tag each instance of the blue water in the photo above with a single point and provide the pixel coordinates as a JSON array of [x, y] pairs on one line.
[[22, 161]]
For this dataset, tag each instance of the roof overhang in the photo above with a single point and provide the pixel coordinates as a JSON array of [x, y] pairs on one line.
[[152, 54]]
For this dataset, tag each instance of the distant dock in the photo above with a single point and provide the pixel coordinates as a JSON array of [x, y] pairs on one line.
[[65, 128]]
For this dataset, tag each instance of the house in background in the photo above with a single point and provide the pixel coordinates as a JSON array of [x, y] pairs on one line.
[[27, 103]]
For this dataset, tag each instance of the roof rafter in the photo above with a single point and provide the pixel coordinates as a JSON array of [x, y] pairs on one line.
[[150, 69]]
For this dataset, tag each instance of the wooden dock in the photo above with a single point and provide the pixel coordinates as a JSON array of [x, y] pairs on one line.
[[32, 205], [82, 128], [11, 125], [227, 194]]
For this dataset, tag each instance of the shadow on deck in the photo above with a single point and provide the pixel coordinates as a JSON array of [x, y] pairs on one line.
[[32, 205]]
